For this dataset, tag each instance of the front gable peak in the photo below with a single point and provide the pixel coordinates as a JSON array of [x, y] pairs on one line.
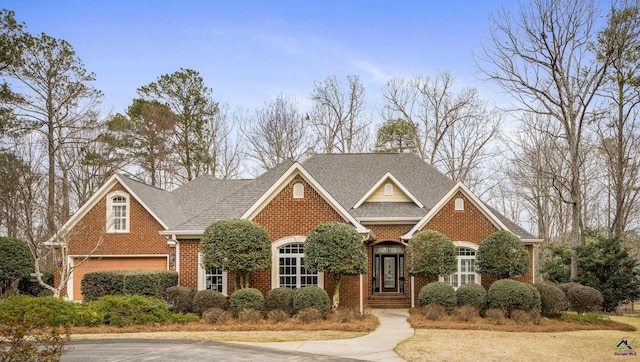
[[388, 189]]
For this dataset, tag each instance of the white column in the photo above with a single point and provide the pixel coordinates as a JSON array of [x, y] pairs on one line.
[[361, 297], [413, 292]]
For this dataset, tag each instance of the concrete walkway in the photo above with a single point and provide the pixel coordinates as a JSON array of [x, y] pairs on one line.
[[376, 346]]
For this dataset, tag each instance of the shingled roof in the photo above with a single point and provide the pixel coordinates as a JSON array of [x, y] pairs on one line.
[[345, 177]]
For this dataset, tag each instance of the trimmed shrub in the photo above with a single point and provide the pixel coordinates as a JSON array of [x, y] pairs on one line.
[[151, 283], [250, 316], [30, 286], [280, 299], [180, 299], [277, 316], [534, 302], [311, 297], [431, 253], [502, 255], [509, 295], [309, 315], [215, 316], [433, 312], [472, 294], [40, 312], [552, 299], [438, 293], [17, 262], [128, 310], [206, 299], [565, 287], [246, 298], [98, 284], [583, 299]]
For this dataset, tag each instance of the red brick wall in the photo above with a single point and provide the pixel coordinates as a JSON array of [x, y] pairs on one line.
[[469, 224], [143, 236], [189, 249], [285, 216]]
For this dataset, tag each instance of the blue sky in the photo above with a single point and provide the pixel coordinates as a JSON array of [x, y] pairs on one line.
[[248, 52]]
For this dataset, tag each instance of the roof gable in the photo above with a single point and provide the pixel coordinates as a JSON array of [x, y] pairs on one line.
[[459, 187], [97, 196], [378, 193], [283, 181]]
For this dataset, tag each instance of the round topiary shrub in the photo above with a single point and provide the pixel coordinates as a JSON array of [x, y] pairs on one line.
[[246, 298], [472, 294], [509, 295], [129, 310], [565, 287], [311, 297], [180, 299], [583, 299], [280, 299], [552, 299], [208, 298], [534, 301], [438, 293]]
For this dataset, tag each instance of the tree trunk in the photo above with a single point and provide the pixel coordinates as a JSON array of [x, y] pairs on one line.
[[336, 293]]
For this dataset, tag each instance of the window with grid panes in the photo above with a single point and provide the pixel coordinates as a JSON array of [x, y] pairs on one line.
[[466, 269], [119, 213], [213, 279], [291, 271]]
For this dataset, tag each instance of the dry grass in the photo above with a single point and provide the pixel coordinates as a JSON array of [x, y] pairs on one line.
[[233, 330], [502, 345]]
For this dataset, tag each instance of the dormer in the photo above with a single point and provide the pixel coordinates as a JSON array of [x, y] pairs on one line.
[[388, 189]]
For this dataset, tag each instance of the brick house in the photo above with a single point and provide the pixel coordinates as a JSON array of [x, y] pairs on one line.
[[387, 197]]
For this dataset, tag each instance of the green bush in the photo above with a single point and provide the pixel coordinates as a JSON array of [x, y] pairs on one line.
[[40, 312], [587, 318], [502, 255], [311, 297], [128, 310], [472, 294], [207, 299], [509, 295], [246, 298], [30, 286], [16, 262], [583, 299], [151, 283], [552, 299], [431, 253], [565, 287], [180, 299], [98, 284], [438, 293], [182, 318], [280, 298], [535, 301]]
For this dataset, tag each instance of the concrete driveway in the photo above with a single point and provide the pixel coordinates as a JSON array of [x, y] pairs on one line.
[[181, 350]]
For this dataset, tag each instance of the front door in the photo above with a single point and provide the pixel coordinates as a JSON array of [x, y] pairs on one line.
[[390, 272]]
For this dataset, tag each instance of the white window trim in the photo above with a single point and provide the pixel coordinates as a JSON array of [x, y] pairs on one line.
[[298, 190], [275, 270], [464, 244], [459, 204], [109, 227], [202, 282]]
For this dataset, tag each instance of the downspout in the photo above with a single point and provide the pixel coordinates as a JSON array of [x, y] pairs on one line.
[[413, 292]]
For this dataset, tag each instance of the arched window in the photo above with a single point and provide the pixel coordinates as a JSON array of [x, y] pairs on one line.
[[118, 212], [288, 261], [298, 191], [388, 189], [466, 271], [459, 204]]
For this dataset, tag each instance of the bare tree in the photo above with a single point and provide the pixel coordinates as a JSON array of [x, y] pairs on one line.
[[619, 132], [276, 132], [339, 117], [454, 128], [541, 56]]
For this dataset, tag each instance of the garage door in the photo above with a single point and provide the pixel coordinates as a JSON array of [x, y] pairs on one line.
[[113, 263]]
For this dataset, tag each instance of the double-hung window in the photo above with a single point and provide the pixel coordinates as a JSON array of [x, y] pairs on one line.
[[118, 212], [291, 270]]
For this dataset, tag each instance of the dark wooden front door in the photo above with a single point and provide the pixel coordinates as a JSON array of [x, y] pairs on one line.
[[389, 273]]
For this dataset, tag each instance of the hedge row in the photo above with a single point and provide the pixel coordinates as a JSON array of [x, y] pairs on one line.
[[149, 283], [113, 310]]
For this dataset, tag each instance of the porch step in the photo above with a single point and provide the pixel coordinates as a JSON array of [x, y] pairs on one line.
[[388, 301]]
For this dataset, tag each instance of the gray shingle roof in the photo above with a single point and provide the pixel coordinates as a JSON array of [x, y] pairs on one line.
[[346, 177]]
